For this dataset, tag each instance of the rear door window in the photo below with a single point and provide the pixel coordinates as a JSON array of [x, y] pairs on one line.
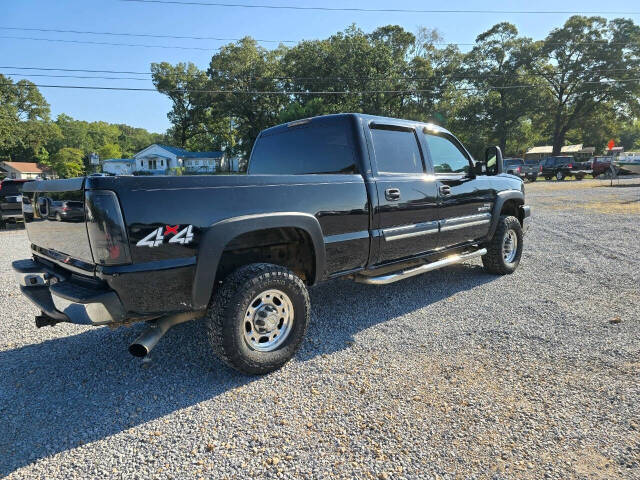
[[396, 150]]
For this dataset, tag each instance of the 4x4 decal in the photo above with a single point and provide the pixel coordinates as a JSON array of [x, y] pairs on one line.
[[156, 238]]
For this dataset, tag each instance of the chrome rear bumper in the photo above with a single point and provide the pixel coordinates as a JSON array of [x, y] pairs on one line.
[[65, 299]]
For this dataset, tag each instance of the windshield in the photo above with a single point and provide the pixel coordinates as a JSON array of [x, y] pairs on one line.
[[513, 162]]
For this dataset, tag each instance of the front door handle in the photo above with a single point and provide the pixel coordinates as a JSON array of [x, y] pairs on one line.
[[392, 194], [445, 189]]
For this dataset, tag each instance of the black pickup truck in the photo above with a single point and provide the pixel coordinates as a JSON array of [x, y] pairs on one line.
[[368, 198], [10, 200]]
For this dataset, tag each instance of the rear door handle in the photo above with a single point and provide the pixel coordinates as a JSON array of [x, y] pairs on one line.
[[392, 194], [445, 189]]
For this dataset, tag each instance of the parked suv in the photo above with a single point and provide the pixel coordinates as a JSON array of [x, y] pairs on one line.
[[11, 200]]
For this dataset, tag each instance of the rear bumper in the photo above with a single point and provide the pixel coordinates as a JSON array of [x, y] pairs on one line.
[[65, 298], [10, 215], [526, 217]]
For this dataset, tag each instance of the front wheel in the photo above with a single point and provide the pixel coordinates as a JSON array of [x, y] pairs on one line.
[[258, 317], [505, 248]]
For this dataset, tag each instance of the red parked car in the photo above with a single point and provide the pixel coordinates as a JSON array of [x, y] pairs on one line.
[[600, 165]]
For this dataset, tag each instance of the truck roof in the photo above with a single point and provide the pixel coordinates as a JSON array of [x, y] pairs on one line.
[[365, 117]]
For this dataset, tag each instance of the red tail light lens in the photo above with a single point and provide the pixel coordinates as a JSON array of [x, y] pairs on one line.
[[570, 165], [106, 229], [519, 169], [540, 167]]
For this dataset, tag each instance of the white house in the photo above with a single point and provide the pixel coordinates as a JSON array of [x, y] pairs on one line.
[[159, 159], [21, 170], [118, 166]]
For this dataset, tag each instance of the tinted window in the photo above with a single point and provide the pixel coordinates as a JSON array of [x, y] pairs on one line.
[[531, 162], [512, 163], [396, 151], [315, 147], [446, 156], [11, 188]]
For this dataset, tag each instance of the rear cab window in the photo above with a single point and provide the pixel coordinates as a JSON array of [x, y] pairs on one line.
[[318, 146]]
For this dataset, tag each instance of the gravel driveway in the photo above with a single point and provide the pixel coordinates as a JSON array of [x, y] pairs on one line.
[[453, 374]]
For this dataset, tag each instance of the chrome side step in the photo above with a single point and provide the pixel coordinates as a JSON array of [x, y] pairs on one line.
[[412, 272]]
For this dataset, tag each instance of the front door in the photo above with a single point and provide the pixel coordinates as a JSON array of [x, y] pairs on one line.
[[466, 200], [407, 212]]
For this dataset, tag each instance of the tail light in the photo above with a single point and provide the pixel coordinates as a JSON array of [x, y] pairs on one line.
[[540, 167], [570, 165], [519, 169], [106, 229]]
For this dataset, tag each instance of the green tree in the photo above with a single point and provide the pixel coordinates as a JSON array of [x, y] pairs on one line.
[[185, 86], [109, 150], [68, 162], [505, 94], [244, 67], [588, 63]]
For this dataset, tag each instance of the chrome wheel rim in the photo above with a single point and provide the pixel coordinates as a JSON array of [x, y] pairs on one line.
[[510, 246], [268, 320]]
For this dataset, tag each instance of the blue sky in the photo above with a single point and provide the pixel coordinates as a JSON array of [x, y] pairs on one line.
[[149, 109]]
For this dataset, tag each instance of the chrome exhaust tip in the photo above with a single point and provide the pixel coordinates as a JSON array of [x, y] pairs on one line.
[[148, 339]]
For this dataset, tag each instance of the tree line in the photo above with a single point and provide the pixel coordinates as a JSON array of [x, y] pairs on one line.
[[580, 84], [28, 134]]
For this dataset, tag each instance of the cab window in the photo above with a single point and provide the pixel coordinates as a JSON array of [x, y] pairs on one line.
[[447, 156]]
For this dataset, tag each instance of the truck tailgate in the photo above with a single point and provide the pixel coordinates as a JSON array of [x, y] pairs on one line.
[[55, 217]]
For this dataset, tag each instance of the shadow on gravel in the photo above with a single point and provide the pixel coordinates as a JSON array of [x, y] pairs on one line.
[[70, 391]]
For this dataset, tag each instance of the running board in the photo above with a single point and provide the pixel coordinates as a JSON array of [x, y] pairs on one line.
[[412, 272]]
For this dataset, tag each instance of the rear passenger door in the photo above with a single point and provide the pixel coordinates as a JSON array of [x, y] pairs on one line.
[[465, 200], [406, 214]]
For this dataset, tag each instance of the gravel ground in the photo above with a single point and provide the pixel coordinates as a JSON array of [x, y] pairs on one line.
[[453, 374]]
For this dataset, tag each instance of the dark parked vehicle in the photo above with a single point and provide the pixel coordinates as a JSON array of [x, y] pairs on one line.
[[525, 169], [11, 200], [563, 167], [353, 196], [66, 211], [600, 166]]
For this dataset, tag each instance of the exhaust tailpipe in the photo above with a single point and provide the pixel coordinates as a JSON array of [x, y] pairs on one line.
[[156, 330]]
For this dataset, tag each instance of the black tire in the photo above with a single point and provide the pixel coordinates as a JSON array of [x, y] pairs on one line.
[[494, 261], [547, 178], [579, 177], [560, 176], [226, 319]]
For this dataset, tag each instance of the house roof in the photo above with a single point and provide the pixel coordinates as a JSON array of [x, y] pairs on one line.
[[115, 160], [23, 167], [181, 152], [548, 149]]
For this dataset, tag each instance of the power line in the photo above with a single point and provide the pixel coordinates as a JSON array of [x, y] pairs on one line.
[[381, 10], [294, 78], [223, 39], [301, 92], [89, 42], [142, 35]]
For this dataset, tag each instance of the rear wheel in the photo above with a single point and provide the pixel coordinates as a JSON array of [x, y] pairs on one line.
[[559, 176], [547, 178], [505, 248], [258, 318]]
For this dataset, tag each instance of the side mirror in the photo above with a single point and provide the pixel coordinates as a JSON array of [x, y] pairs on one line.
[[493, 161]]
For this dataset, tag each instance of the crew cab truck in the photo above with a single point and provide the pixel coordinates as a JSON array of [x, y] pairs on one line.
[[563, 167], [368, 198], [525, 169]]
